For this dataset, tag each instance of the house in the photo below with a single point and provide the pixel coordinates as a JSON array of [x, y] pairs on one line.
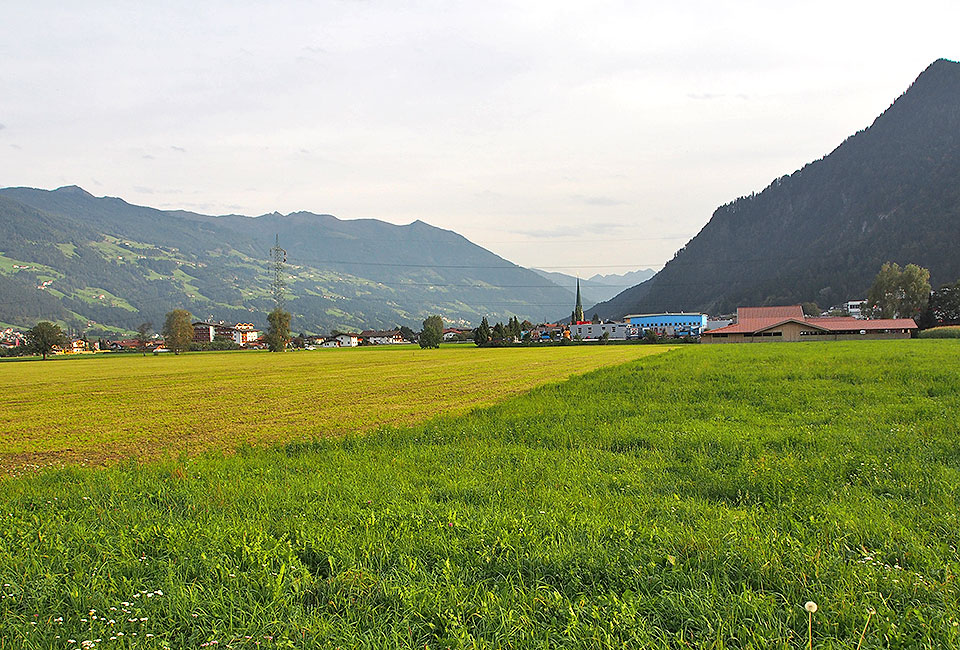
[[330, 343], [787, 323], [75, 346], [382, 337], [549, 332], [594, 331], [856, 308], [347, 340], [455, 333], [242, 334]]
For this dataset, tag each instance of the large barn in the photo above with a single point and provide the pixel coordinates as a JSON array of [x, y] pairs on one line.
[[787, 323]]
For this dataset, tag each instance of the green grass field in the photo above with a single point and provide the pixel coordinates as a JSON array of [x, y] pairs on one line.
[[99, 409], [693, 499]]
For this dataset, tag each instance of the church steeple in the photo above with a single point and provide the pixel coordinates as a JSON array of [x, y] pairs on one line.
[[578, 310]]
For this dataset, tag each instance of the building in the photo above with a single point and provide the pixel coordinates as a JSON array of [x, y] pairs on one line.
[[669, 324], [787, 323], [382, 337], [242, 334], [452, 333], [549, 332], [594, 331], [346, 340], [856, 308]]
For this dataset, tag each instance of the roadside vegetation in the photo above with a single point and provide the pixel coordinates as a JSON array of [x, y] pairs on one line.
[[692, 499]]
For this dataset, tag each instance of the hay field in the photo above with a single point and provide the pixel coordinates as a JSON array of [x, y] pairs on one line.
[[92, 410]]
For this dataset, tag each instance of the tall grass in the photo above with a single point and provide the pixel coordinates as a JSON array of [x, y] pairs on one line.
[[944, 332], [693, 499]]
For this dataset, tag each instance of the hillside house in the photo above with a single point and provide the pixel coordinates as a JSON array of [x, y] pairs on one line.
[[787, 323]]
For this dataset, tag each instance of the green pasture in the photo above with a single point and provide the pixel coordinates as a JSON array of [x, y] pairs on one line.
[[95, 409], [693, 499]]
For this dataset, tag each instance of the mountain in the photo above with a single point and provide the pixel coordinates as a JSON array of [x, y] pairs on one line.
[[624, 280], [599, 287], [102, 264], [888, 193]]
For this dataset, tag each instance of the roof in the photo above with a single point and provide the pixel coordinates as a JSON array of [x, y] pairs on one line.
[[758, 319], [847, 323], [765, 313]]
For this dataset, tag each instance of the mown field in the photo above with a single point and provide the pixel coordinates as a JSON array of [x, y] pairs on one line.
[[99, 409], [693, 499]]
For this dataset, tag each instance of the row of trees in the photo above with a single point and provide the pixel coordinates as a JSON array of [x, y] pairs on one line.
[[500, 333]]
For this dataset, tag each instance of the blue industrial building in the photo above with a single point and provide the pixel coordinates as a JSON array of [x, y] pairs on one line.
[[677, 324]]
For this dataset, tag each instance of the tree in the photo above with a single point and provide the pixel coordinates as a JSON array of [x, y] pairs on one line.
[[481, 335], [407, 333], [513, 329], [43, 337], [177, 331], [810, 309], [278, 330], [432, 332], [943, 307], [596, 319], [144, 333], [499, 333], [526, 326], [899, 293]]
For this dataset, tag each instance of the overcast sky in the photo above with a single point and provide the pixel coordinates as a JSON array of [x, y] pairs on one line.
[[578, 136]]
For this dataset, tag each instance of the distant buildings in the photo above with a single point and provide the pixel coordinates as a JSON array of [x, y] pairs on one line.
[[787, 323], [382, 337], [670, 324], [243, 334]]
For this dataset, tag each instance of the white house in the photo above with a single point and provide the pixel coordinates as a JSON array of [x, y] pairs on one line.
[[348, 340], [595, 331]]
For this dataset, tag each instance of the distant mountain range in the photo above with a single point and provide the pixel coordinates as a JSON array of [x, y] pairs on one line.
[[102, 265], [888, 193], [599, 287]]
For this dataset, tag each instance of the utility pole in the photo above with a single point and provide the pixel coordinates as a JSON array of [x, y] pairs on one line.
[[279, 259]]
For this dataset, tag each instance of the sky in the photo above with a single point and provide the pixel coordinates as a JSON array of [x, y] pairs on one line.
[[580, 137]]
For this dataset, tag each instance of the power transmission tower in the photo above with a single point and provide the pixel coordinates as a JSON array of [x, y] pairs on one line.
[[279, 259]]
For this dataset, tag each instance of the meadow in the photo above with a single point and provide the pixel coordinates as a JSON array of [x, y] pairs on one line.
[[693, 499], [97, 410]]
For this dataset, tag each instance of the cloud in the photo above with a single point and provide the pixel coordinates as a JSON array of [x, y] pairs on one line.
[[597, 200], [143, 190], [574, 231], [147, 156], [176, 148], [15, 146], [2, 127]]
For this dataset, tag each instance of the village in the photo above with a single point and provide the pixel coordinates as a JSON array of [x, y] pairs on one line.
[[748, 325]]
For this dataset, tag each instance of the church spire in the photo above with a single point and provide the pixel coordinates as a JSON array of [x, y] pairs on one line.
[[578, 310]]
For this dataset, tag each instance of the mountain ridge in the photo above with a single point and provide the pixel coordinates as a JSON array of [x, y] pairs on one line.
[[108, 263]]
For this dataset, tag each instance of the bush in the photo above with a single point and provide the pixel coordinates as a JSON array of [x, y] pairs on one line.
[[946, 332]]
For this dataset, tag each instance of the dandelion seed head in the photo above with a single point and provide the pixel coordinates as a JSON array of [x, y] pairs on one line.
[[810, 606]]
